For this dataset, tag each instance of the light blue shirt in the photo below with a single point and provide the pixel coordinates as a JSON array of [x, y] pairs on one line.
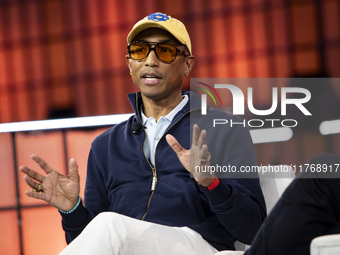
[[155, 130]]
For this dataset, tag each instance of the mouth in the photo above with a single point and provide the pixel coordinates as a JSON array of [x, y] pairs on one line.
[[151, 78]]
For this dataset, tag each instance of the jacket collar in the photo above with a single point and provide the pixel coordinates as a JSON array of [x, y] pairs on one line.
[[136, 103]]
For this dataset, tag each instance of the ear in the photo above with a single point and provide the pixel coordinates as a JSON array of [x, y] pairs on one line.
[[189, 64], [128, 62]]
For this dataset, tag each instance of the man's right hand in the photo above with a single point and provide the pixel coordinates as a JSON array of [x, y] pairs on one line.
[[60, 191]]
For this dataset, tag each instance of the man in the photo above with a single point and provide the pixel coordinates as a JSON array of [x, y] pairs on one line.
[[141, 169]]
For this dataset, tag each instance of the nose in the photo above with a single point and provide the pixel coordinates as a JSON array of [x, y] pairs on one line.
[[152, 59]]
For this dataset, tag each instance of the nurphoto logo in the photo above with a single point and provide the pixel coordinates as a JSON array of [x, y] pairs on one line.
[[238, 99]]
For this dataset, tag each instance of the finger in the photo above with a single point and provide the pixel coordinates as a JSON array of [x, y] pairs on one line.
[[36, 195], [195, 134], [30, 182], [73, 169], [174, 144], [202, 139], [42, 163], [203, 153], [31, 173]]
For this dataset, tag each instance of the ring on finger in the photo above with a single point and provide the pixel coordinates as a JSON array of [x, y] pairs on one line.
[[38, 189], [207, 158]]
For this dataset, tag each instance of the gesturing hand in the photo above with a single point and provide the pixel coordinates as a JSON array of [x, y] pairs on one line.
[[58, 190], [193, 157]]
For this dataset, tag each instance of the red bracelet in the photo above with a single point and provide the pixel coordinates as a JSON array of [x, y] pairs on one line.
[[214, 184]]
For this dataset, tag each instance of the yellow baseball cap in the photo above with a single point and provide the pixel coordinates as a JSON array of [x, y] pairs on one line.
[[165, 22]]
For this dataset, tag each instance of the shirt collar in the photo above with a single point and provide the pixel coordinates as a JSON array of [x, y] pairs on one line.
[[171, 114]]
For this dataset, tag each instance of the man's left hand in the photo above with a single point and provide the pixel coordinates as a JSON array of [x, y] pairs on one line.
[[192, 159]]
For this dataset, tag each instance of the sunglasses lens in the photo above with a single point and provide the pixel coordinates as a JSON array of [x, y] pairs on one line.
[[166, 52], [138, 50]]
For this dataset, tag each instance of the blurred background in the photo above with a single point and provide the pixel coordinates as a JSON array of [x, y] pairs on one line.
[[67, 59]]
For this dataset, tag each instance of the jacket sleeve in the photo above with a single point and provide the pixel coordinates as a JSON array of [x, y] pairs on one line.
[[74, 223], [237, 201], [96, 201]]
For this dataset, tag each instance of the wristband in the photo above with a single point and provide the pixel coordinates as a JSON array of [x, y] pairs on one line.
[[214, 184], [211, 186], [72, 210]]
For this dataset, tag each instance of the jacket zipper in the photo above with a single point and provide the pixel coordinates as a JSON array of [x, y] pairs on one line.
[[154, 171], [153, 187]]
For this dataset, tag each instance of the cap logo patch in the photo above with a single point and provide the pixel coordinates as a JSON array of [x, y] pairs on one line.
[[158, 16]]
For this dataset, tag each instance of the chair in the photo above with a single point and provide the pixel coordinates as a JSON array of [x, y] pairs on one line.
[[273, 183], [325, 245]]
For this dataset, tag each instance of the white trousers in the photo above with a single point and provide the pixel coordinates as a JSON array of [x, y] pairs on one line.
[[113, 233]]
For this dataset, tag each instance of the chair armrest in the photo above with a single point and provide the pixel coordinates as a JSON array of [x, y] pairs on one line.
[[230, 253], [325, 245]]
